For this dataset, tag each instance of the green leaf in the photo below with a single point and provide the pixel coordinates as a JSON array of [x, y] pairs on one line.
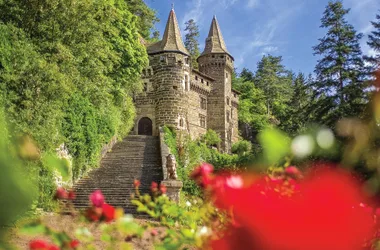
[[61, 165], [276, 145], [34, 228]]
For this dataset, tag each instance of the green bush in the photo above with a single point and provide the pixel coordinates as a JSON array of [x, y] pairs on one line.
[[242, 147]]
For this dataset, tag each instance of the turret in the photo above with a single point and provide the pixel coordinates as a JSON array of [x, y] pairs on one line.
[[169, 60], [217, 62]]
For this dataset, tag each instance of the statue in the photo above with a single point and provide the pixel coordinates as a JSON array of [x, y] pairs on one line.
[[171, 166]]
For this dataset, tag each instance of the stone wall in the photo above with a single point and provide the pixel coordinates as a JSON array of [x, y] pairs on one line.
[[219, 67], [200, 88]]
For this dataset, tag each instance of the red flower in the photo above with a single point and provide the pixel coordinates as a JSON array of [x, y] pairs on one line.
[[42, 245], [154, 187], [38, 245], [154, 232], [97, 198], [71, 195], [323, 214], [93, 213], [108, 212], [61, 194], [163, 189], [136, 183], [202, 175], [53, 247], [293, 172], [74, 244]]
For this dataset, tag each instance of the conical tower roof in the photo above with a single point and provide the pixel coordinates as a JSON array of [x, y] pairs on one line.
[[215, 42], [172, 40]]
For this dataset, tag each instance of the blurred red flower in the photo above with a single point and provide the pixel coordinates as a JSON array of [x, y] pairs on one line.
[[154, 187], [41, 245], [97, 198], [108, 212], [202, 175], [136, 183], [320, 212], [74, 244], [61, 194], [163, 189], [71, 195]]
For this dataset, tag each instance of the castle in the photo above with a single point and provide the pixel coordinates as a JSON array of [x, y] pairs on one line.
[[190, 100]]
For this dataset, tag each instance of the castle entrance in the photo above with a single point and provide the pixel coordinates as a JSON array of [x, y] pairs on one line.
[[145, 126]]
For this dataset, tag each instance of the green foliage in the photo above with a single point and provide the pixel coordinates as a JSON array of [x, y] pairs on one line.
[[190, 153], [17, 191], [211, 138], [276, 145], [374, 44], [67, 71], [339, 87], [191, 41], [242, 147]]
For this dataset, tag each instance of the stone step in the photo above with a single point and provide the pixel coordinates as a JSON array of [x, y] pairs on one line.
[[135, 157]]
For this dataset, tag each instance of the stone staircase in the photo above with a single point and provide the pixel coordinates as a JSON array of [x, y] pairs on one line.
[[136, 157]]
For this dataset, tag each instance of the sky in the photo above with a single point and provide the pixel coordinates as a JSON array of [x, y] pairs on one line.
[[253, 28]]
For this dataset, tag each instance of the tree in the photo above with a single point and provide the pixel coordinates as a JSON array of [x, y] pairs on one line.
[[339, 87], [374, 44], [191, 41], [275, 81], [298, 115]]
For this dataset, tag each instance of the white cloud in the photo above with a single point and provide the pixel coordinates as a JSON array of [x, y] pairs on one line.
[[252, 3]]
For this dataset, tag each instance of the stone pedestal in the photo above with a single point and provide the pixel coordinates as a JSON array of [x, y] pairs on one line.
[[173, 189]]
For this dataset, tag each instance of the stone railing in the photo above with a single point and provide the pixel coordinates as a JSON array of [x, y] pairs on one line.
[[173, 186]]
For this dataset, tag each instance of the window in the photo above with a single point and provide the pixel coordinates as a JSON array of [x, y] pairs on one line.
[[201, 80], [203, 103], [187, 61], [162, 58], [171, 60], [196, 78], [228, 101], [226, 75], [202, 121], [181, 122], [145, 86], [228, 116], [232, 113]]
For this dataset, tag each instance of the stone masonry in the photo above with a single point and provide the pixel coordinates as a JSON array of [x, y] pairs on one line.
[[190, 100]]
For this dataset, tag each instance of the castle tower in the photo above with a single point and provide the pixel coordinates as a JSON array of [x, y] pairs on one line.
[[217, 62], [169, 60]]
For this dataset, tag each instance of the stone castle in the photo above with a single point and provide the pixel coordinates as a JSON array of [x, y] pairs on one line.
[[190, 100]]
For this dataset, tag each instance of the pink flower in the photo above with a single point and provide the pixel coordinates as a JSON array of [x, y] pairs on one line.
[[97, 198]]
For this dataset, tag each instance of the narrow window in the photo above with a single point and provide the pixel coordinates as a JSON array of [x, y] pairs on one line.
[[202, 121], [181, 122], [201, 80], [228, 101], [196, 78], [228, 116], [203, 103]]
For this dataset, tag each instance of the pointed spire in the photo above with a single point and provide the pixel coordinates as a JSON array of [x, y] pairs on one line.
[[172, 40], [215, 42]]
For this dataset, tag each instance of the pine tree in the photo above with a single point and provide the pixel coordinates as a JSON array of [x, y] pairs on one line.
[[374, 44], [272, 77], [191, 41], [297, 117], [339, 88]]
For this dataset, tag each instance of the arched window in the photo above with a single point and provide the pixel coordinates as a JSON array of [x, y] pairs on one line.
[[181, 123]]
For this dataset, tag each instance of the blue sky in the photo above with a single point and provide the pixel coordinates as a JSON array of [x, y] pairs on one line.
[[252, 28]]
